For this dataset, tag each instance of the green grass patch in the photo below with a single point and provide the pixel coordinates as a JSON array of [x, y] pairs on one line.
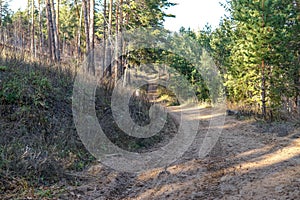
[[3, 68]]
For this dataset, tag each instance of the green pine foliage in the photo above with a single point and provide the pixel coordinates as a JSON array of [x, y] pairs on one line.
[[256, 52]]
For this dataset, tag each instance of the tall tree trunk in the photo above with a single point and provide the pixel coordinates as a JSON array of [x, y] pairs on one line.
[[86, 26], [79, 33], [57, 27], [110, 16], [121, 64], [41, 41], [33, 53], [92, 37], [51, 42], [79, 15], [297, 7], [104, 63], [117, 46], [108, 53], [1, 2], [55, 33], [263, 76], [127, 14], [263, 90], [29, 25], [297, 84], [120, 16]]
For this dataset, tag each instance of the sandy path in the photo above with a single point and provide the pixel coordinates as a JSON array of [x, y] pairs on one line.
[[245, 164]]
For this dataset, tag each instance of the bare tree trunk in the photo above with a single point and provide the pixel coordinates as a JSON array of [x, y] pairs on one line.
[[55, 33], [33, 53], [51, 43], [127, 75], [57, 27], [121, 69], [263, 77], [117, 60], [41, 41], [1, 2], [92, 37], [86, 26], [108, 53], [110, 16], [297, 86], [127, 16], [79, 33], [79, 15], [120, 16], [104, 63], [263, 90], [91, 23], [29, 25], [118, 41]]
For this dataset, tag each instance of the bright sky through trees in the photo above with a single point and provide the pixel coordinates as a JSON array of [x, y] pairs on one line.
[[16, 4], [195, 14], [189, 13]]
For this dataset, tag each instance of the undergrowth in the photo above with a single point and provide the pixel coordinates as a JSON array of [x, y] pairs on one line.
[[39, 145], [38, 139]]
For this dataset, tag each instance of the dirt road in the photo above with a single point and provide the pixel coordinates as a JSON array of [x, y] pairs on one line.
[[246, 163]]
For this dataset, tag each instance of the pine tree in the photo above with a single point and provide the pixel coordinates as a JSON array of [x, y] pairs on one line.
[[260, 57]]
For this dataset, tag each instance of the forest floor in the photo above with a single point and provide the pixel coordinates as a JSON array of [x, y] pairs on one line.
[[251, 160], [42, 157]]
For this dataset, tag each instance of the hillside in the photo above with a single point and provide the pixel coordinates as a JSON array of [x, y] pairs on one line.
[[42, 156]]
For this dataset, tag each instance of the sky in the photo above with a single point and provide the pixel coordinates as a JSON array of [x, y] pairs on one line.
[[192, 14], [16, 4]]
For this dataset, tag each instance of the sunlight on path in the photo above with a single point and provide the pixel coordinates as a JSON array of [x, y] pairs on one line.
[[281, 155]]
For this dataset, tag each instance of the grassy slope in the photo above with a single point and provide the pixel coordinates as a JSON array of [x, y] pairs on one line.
[[39, 145], [38, 139]]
